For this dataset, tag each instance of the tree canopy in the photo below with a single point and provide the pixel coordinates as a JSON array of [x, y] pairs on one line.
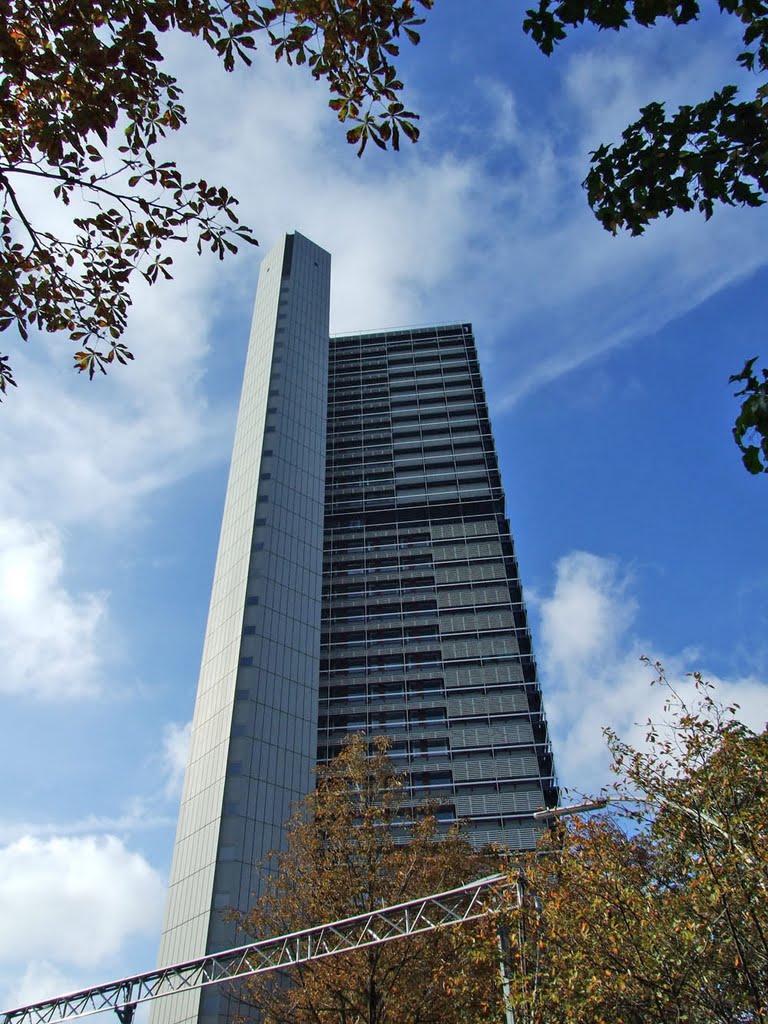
[[346, 855], [661, 914], [84, 103]]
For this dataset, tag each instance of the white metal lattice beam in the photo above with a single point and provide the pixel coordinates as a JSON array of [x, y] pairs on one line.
[[439, 910]]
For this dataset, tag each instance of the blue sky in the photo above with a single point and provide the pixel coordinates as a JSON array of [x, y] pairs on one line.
[[606, 364]]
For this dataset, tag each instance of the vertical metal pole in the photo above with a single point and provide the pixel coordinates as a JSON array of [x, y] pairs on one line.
[[506, 992], [504, 951]]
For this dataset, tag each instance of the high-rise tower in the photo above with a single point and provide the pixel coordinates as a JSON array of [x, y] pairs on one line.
[[381, 595], [425, 637]]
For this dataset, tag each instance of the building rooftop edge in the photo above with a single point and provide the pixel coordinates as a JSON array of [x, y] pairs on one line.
[[449, 325]]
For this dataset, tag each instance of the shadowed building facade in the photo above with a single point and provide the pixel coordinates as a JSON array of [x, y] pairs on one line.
[[425, 637], [365, 581]]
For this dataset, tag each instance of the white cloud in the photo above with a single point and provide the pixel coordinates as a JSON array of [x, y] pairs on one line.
[[421, 236], [97, 451], [591, 672], [608, 84], [505, 124], [40, 980], [74, 901], [49, 637], [174, 756], [395, 226], [586, 614], [94, 451]]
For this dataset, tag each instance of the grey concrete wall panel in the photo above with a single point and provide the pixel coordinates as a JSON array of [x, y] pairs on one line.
[[252, 748]]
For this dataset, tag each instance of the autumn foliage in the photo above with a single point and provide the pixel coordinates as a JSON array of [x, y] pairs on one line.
[[653, 911], [660, 914], [346, 856]]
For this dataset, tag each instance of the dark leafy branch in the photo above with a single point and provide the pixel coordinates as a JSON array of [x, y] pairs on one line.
[[752, 423], [704, 154], [709, 153], [72, 75]]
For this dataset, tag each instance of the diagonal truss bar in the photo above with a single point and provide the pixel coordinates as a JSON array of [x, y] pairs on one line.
[[467, 903]]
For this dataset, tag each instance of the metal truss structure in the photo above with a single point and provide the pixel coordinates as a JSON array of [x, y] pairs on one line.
[[467, 903]]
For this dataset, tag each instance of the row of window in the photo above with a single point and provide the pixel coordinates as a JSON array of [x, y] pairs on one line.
[[382, 413], [349, 385], [354, 535], [404, 454], [447, 431], [471, 673], [345, 619], [344, 560], [449, 623], [345, 642], [366, 348], [351, 543], [404, 586], [413, 469], [377, 719], [377, 355], [472, 649], [408, 391], [450, 484]]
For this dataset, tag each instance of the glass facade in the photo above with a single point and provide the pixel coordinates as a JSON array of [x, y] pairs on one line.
[[365, 581], [425, 637]]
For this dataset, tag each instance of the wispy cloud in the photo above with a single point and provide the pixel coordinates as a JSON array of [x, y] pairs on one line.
[[74, 894], [174, 756], [140, 815], [153, 809], [40, 979], [487, 226]]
